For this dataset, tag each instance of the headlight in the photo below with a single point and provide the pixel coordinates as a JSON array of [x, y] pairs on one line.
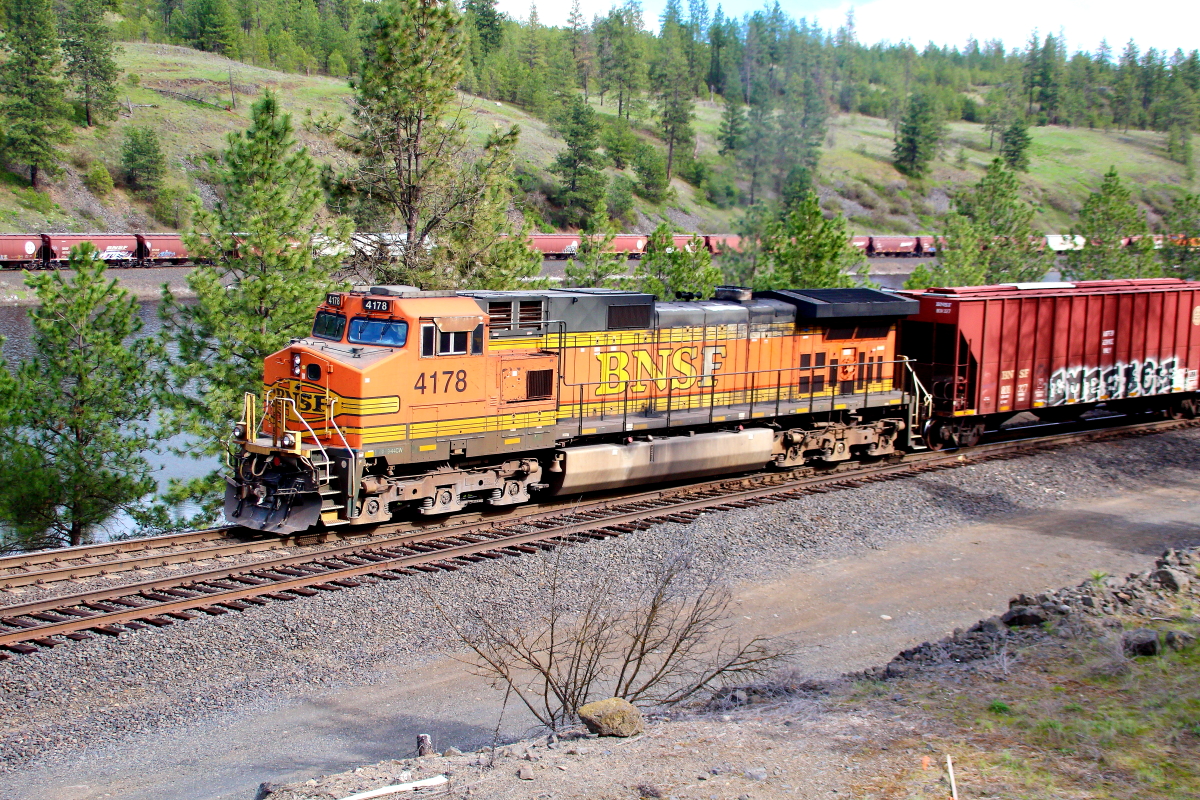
[[239, 432], [288, 440], [295, 365]]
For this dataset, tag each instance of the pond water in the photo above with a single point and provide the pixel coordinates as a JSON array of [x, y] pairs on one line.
[[17, 347]]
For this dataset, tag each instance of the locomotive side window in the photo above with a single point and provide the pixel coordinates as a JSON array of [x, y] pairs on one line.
[[390, 332], [435, 342], [329, 326], [452, 343]]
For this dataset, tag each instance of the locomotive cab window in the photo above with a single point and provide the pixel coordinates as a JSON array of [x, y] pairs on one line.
[[388, 332], [436, 342], [329, 326]]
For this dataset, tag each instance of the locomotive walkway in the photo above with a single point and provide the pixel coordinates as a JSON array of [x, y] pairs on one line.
[[401, 549]]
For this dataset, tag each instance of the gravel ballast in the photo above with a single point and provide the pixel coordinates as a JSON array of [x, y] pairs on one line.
[[58, 702]]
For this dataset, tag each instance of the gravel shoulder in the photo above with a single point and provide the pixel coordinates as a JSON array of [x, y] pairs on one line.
[[212, 707]]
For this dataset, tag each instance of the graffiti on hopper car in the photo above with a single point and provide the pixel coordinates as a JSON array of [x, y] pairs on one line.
[[1120, 380]]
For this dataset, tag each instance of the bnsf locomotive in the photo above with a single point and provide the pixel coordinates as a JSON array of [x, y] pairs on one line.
[[426, 402]]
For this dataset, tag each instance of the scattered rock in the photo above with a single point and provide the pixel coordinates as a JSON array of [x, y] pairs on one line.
[[756, 774], [1179, 640], [1141, 642], [1019, 616], [525, 773], [612, 717], [265, 790], [451, 752], [1172, 579]]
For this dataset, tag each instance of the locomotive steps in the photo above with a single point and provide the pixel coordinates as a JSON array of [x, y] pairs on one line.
[[406, 548]]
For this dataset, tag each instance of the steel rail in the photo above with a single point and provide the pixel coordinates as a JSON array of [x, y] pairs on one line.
[[458, 542], [60, 554]]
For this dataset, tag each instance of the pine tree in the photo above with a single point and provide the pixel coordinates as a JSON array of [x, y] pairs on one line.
[[142, 159], [990, 238], [1108, 218], [595, 264], [673, 91], [91, 59], [919, 138], [668, 272], [415, 168], [579, 164], [211, 25], [804, 250], [733, 126], [77, 423], [960, 259], [488, 24], [1014, 145], [1181, 241], [33, 108], [259, 286]]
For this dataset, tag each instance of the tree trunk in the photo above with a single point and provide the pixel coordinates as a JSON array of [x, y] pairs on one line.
[[33, 171], [670, 156], [87, 112]]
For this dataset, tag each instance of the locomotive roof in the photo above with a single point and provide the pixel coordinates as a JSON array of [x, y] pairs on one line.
[[836, 303]]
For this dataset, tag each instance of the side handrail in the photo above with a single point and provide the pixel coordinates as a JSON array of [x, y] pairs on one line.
[[333, 423]]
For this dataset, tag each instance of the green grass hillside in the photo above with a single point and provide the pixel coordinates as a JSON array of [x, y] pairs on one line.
[[855, 176]]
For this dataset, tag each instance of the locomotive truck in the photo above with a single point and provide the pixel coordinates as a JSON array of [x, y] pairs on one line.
[[408, 401]]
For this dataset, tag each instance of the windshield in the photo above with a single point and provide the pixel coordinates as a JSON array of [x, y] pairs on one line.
[[329, 326], [392, 332]]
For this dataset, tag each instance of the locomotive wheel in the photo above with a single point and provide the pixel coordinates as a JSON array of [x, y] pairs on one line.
[[934, 435]]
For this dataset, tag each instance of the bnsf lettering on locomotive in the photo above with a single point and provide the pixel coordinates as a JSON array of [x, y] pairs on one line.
[[306, 402], [668, 369]]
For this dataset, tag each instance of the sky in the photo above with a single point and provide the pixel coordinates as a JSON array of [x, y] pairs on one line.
[[1165, 24]]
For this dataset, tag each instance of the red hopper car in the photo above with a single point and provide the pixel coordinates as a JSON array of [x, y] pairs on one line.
[[988, 352]]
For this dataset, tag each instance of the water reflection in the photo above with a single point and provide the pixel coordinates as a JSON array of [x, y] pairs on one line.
[[18, 347]]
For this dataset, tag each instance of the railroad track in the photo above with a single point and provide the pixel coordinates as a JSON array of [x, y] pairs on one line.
[[406, 548]]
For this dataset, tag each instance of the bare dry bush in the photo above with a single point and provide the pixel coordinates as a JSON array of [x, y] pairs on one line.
[[566, 645]]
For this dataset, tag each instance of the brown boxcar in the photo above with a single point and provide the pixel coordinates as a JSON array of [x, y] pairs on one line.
[[161, 248], [893, 246], [927, 245], [21, 250], [861, 243], [1045, 347], [120, 248]]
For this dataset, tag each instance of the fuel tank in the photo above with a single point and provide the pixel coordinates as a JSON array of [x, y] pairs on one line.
[[598, 467]]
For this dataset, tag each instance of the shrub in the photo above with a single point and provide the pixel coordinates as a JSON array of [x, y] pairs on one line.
[[999, 707], [98, 180], [172, 206]]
